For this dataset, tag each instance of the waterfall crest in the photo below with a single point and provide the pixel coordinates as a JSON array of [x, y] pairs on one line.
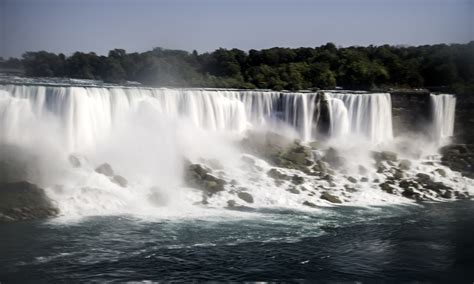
[[85, 114]]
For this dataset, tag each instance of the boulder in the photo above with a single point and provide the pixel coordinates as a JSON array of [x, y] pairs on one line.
[[406, 184], [320, 168], [310, 204], [352, 179], [245, 196], [387, 187], [423, 178], [329, 197], [404, 165], [328, 178], [293, 190], [385, 156], [296, 179], [24, 201], [201, 178], [441, 172], [447, 194], [105, 169], [231, 203], [74, 161], [119, 180], [409, 193], [277, 175]]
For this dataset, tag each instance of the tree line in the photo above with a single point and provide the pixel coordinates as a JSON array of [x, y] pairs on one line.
[[372, 67]]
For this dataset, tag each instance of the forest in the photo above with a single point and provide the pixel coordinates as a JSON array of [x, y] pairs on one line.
[[441, 66]]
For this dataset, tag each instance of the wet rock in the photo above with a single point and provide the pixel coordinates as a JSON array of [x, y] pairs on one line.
[[387, 187], [329, 197], [74, 161], [410, 193], [441, 172], [277, 175], [404, 165], [398, 174], [349, 188], [231, 203], [447, 194], [245, 196], [352, 179], [328, 178], [201, 178], [293, 190], [454, 149], [120, 180], [364, 179], [310, 204], [423, 178], [462, 195], [24, 201], [105, 169], [296, 179], [406, 184], [320, 167], [381, 169], [385, 156], [460, 158], [278, 150]]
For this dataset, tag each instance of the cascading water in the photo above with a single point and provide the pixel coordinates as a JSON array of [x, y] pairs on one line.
[[443, 109], [146, 134], [368, 115]]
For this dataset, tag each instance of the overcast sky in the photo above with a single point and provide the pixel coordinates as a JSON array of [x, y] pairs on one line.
[[100, 25]]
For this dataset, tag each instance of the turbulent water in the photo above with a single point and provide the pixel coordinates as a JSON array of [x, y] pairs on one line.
[[159, 227], [430, 243], [146, 133]]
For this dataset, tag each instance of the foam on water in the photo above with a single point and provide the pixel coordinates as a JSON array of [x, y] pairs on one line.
[[146, 134]]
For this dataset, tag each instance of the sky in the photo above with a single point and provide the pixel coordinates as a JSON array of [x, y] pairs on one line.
[[205, 25]]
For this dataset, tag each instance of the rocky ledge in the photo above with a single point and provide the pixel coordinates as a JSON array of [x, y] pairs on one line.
[[24, 201], [460, 158]]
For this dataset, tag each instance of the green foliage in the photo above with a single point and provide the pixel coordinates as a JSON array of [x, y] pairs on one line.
[[436, 66]]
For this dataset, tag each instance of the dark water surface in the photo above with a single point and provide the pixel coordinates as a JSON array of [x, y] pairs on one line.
[[432, 243]]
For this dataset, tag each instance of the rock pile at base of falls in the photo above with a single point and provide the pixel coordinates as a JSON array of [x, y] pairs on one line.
[[108, 171], [201, 177], [460, 158], [420, 187], [21, 201], [278, 150]]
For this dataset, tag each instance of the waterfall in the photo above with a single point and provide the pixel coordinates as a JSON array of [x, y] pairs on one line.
[[443, 109], [365, 115], [339, 125], [84, 115], [148, 134]]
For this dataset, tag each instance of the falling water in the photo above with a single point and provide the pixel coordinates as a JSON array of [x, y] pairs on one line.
[[146, 133], [443, 109]]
